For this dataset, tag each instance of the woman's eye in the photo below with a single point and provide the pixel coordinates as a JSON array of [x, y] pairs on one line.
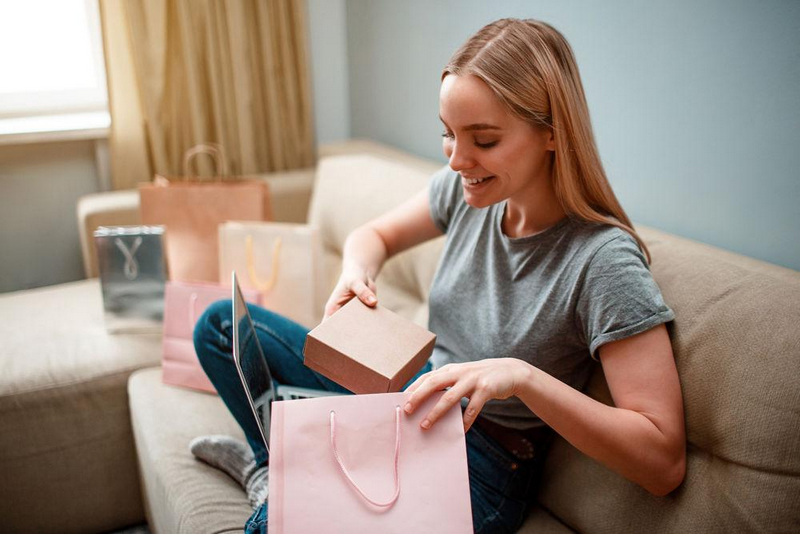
[[447, 135], [485, 145]]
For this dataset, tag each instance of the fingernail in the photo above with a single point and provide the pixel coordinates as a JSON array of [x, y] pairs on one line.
[[407, 407], [426, 424], [371, 300]]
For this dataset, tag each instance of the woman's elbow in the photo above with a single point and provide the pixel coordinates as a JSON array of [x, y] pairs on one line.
[[671, 477]]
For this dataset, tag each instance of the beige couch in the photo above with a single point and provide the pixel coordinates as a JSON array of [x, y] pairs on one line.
[[736, 341]]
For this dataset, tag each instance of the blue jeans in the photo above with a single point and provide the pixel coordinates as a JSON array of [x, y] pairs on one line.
[[501, 486]]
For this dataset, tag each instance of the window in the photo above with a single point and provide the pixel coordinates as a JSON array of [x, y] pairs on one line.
[[51, 61]]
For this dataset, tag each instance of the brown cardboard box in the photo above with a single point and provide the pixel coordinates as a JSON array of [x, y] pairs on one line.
[[368, 350]]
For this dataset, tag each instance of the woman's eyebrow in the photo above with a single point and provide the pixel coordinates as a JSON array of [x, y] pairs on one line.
[[476, 126], [482, 126]]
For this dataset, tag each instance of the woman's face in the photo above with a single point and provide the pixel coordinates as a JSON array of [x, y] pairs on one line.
[[497, 154]]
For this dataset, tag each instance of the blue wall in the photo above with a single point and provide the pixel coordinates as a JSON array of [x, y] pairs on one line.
[[695, 105]]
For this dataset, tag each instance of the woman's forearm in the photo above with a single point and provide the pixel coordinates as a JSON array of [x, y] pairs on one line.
[[364, 249], [628, 442]]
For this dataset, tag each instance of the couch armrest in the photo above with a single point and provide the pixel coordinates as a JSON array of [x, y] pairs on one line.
[[115, 208], [290, 194]]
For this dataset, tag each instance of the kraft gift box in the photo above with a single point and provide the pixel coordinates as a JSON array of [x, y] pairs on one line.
[[368, 350]]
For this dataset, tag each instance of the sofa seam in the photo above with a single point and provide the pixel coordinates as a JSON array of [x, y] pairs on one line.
[[72, 383]]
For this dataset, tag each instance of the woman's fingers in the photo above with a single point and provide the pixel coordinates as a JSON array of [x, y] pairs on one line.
[[475, 380], [422, 378], [338, 298], [330, 308], [450, 398], [425, 385], [346, 289], [365, 294], [371, 285], [410, 389], [476, 403]]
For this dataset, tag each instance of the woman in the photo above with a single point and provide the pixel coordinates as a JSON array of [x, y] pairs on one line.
[[541, 273]]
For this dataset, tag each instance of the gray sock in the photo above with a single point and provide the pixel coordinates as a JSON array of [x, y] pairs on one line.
[[236, 459]]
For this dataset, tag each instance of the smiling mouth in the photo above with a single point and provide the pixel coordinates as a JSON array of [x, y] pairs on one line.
[[476, 181]]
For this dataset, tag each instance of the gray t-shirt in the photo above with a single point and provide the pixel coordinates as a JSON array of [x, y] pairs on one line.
[[550, 299]]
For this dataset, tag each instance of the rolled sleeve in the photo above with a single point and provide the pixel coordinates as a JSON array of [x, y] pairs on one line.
[[619, 297]]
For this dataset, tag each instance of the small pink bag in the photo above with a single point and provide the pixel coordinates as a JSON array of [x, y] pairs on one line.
[[358, 463], [184, 303]]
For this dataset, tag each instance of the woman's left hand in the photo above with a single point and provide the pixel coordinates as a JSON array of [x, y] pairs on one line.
[[480, 381]]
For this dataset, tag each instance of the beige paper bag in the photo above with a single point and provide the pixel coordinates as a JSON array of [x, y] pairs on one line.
[[281, 260]]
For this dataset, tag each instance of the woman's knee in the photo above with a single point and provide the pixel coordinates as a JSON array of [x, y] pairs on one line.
[[213, 329]]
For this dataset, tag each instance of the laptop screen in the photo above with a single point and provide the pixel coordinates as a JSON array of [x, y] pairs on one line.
[[251, 364]]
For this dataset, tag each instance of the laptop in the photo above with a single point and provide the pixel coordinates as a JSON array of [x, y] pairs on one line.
[[253, 370], [251, 364]]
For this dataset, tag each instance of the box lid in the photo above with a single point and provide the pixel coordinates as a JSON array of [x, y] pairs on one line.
[[374, 338]]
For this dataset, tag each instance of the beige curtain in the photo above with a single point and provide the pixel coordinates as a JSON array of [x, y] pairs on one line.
[[182, 72]]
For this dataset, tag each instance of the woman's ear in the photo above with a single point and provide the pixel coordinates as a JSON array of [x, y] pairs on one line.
[[550, 143]]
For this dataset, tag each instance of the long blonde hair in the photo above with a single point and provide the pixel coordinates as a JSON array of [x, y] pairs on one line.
[[530, 66]]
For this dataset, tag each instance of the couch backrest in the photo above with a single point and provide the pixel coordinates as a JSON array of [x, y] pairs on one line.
[[736, 340]]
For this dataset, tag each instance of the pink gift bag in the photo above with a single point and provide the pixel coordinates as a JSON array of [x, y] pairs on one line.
[[184, 303], [358, 463]]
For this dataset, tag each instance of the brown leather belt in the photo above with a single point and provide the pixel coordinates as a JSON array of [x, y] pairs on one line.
[[521, 444]]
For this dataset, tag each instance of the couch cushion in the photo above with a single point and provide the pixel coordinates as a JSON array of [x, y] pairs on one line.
[[66, 451], [737, 346], [183, 495], [540, 521]]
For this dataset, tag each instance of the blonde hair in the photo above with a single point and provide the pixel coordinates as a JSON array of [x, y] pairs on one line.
[[530, 66]]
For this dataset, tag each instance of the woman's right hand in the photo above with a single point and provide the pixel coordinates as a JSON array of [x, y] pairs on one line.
[[353, 282]]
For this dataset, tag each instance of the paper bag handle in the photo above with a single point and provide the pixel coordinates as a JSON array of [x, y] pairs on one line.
[[251, 265], [192, 308], [217, 153], [131, 269], [396, 458]]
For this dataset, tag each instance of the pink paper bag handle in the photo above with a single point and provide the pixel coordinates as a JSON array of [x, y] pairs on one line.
[[192, 308], [396, 458]]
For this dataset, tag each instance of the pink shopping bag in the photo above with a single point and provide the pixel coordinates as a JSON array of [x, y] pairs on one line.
[[358, 463], [184, 303]]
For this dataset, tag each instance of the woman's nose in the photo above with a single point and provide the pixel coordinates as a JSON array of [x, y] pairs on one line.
[[460, 158]]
